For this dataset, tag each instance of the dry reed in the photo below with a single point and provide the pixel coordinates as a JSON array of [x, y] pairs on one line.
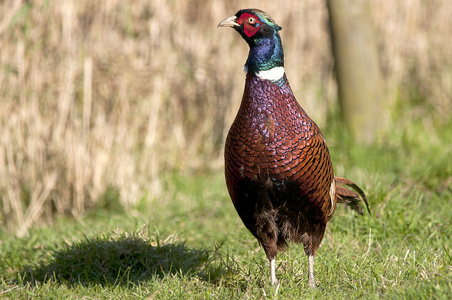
[[113, 94]]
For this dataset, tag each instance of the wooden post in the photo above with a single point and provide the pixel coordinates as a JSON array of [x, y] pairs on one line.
[[357, 67]]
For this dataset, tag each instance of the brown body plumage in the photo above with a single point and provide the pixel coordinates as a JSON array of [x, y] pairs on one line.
[[278, 168]]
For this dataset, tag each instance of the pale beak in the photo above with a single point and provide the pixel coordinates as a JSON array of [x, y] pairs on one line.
[[229, 22]]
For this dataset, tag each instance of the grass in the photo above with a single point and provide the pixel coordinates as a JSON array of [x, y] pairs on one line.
[[190, 243]]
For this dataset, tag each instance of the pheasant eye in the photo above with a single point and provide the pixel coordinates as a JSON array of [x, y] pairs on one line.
[[249, 23]]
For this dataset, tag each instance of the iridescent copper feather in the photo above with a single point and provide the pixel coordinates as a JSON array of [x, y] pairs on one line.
[[278, 168]]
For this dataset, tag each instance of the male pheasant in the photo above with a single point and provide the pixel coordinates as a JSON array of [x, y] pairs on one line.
[[278, 168]]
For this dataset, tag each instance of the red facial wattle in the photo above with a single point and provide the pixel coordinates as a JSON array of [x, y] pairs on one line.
[[250, 28]]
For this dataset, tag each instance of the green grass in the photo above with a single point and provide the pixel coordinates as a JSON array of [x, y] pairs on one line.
[[191, 244]]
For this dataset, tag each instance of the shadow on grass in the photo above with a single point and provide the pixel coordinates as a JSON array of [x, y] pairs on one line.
[[123, 260]]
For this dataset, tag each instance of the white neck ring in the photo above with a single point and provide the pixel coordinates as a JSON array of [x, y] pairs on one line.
[[273, 74]]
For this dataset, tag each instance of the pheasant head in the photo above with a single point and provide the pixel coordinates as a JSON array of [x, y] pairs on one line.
[[266, 56]]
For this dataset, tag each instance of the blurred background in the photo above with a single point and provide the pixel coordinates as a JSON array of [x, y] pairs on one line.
[[112, 96]]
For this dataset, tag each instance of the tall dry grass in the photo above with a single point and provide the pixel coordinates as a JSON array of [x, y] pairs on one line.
[[114, 94]]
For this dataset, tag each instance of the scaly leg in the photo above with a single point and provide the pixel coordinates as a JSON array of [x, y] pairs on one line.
[[311, 271], [273, 272]]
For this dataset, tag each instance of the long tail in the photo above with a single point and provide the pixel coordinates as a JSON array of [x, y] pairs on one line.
[[349, 197]]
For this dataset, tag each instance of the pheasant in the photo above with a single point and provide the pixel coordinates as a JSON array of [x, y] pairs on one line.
[[278, 168]]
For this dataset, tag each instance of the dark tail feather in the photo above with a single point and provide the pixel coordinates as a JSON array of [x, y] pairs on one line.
[[349, 197]]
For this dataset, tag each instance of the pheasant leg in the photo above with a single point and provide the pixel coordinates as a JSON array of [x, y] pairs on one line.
[[274, 280], [311, 271]]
